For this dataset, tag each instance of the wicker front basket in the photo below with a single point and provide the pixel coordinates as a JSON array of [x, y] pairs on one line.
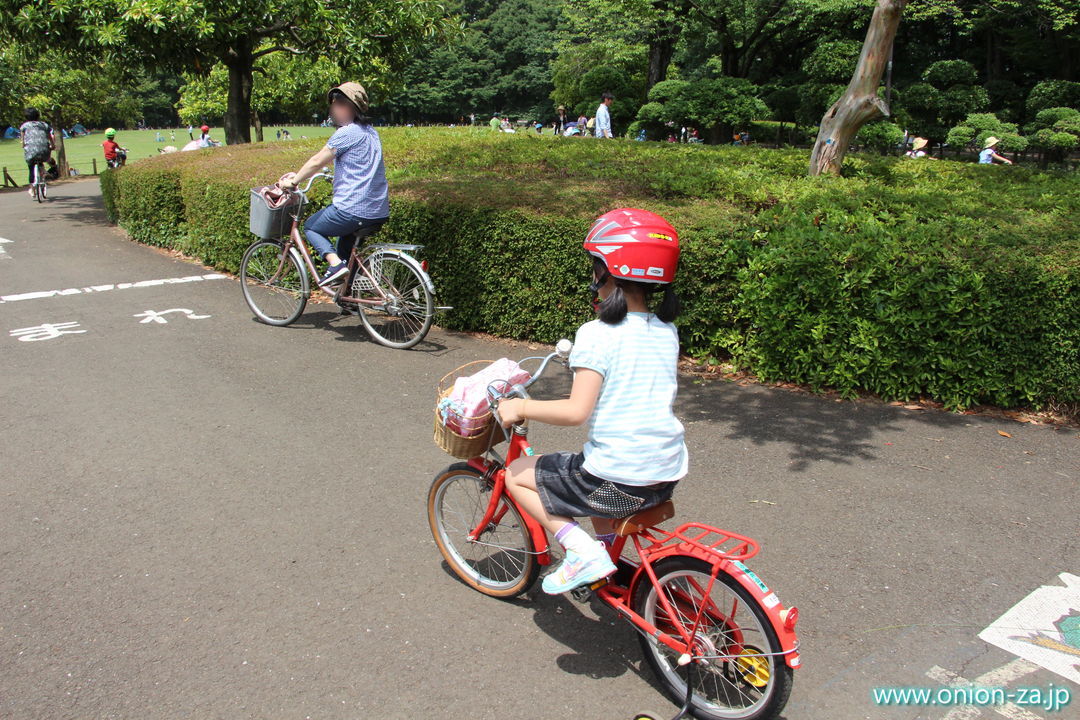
[[488, 433]]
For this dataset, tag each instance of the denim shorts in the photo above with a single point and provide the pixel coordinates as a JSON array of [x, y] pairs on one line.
[[567, 489]]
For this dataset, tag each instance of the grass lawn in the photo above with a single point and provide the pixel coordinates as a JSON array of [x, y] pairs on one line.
[[140, 144]]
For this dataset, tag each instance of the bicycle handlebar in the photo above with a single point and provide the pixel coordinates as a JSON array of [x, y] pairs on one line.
[[562, 351], [311, 180]]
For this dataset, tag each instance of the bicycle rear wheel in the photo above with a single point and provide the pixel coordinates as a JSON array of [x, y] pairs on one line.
[[404, 317], [748, 684], [274, 283], [500, 562]]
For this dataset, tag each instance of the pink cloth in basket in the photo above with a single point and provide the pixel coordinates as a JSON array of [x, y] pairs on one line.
[[275, 195], [468, 399]]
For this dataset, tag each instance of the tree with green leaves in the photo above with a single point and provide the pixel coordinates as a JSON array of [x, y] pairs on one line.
[[294, 86], [192, 36], [716, 105]]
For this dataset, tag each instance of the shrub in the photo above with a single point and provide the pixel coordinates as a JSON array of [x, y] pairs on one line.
[[883, 136], [1053, 93], [904, 279]]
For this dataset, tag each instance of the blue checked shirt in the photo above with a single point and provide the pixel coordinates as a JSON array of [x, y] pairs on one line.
[[359, 177]]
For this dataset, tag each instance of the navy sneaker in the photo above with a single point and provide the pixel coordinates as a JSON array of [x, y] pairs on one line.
[[334, 273]]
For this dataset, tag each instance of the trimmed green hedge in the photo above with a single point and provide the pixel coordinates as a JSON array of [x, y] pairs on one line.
[[905, 278]]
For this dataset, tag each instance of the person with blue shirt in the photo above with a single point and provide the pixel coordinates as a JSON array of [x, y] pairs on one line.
[[989, 153], [361, 198], [603, 116], [625, 379]]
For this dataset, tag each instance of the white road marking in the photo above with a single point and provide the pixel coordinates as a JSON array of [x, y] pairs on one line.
[[105, 288], [998, 677], [47, 331], [1044, 628], [3, 252], [156, 315]]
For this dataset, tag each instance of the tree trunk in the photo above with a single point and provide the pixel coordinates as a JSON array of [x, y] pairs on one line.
[[860, 102], [239, 61], [58, 134], [661, 49], [258, 125]]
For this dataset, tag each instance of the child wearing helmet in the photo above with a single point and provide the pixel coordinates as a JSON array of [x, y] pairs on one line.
[[205, 140], [115, 155], [625, 381]]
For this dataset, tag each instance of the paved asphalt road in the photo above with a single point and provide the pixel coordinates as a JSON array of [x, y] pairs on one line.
[[211, 518]]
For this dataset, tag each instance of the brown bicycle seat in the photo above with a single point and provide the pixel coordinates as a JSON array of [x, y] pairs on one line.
[[645, 519]]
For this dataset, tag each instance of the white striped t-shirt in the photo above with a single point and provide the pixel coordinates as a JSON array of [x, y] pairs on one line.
[[634, 437]]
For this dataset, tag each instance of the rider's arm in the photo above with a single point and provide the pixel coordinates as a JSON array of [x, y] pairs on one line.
[[574, 410], [313, 165]]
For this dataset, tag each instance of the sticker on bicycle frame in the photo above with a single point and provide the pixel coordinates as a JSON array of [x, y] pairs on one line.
[[529, 451], [770, 601], [750, 574]]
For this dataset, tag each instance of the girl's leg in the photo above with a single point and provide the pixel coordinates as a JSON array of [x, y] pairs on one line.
[[521, 484], [604, 529], [586, 559]]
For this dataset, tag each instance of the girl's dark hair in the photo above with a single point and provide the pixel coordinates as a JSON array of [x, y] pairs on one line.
[[612, 310], [32, 114]]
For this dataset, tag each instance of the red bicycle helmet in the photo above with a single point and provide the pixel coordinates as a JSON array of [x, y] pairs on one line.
[[205, 128], [635, 245]]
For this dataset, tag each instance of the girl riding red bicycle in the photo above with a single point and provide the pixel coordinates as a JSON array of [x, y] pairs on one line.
[[625, 382]]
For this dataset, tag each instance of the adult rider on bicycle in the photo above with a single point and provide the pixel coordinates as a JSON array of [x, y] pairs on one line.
[[360, 192], [37, 142]]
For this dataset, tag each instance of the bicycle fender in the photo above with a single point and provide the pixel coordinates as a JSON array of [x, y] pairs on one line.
[[770, 603], [300, 261], [411, 262]]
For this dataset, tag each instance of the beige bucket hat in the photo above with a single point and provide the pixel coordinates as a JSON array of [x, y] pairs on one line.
[[990, 142], [355, 93], [919, 143]]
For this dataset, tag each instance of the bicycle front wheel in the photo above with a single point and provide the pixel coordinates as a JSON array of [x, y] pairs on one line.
[[736, 674], [501, 562], [406, 307], [274, 283]]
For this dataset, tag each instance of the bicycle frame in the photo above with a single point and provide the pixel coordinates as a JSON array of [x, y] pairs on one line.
[[724, 551], [296, 241]]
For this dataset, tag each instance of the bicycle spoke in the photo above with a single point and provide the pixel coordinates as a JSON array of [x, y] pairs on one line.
[[500, 555], [273, 283], [721, 682], [403, 314]]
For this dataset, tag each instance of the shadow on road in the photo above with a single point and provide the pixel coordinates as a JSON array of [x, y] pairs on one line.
[[814, 427], [350, 329], [75, 209]]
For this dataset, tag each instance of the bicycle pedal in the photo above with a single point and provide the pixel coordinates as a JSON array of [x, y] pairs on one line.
[[582, 594]]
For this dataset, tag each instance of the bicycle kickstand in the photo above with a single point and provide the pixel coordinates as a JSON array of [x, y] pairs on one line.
[[684, 712]]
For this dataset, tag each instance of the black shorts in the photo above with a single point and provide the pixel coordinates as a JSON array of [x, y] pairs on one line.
[[567, 489]]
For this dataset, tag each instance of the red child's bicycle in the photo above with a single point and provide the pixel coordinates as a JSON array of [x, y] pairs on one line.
[[718, 638]]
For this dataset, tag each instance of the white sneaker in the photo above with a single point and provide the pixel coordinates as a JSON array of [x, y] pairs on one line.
[[577, 570]]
